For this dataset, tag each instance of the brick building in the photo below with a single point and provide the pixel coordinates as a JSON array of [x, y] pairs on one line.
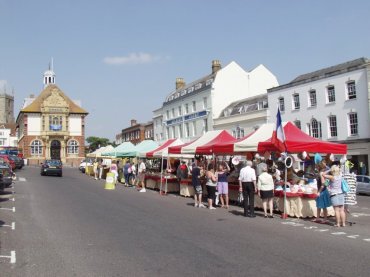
[[51, 126], [138, 132]]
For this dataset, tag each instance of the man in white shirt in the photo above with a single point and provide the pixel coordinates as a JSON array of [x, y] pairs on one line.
[[247, 185], [141, 175]]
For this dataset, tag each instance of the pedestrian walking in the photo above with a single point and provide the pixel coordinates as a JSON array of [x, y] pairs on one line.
[[141, 175], [247, 185], [127, 172], [96, 170], [265, 186], [211, 186]]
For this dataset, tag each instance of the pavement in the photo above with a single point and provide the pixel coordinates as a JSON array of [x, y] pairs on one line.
[[72, 226]]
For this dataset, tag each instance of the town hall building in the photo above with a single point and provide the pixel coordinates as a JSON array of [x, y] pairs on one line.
[[51, 126]]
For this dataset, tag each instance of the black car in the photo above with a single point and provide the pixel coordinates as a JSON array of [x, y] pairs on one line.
[[52, 167], [18, 161], [6, 176]]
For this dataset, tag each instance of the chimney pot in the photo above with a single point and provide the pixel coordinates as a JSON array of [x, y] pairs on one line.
[[216, 66]]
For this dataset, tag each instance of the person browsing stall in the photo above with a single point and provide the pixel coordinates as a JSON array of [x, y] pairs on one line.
[[247, 185], [141, 175], [211, 185], [222, 184], [195, 180], [265, 185], [336, 193]]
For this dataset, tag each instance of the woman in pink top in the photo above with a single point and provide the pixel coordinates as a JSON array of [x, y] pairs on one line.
[[114, 169]]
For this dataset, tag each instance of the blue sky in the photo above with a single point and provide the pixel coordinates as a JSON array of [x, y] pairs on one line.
[[121, 58]]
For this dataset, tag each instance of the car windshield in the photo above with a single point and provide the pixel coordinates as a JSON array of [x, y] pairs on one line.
[[53, 162]]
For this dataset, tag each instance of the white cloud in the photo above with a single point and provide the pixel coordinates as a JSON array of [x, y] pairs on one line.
[[132, 58]]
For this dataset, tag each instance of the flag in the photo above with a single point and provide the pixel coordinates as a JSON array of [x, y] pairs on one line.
[[278, 137]]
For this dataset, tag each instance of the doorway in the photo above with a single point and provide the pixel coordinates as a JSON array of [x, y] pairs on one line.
[[55, 148]]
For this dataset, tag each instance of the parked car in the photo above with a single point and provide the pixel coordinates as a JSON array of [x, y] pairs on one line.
[[84, 163], [52, 167], [363, 184], [5, 158], [18, 161], [6, 176]]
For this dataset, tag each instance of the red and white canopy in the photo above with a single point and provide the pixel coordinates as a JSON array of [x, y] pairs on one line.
[[248, 143], [204, 144], [297, 141], [162, 150]]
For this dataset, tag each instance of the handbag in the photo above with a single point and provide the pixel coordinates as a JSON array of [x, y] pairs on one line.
[[345, 186], [240, 199]]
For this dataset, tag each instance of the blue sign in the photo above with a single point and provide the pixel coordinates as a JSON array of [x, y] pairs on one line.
[[54, 127], [195, 115], [186, 118]]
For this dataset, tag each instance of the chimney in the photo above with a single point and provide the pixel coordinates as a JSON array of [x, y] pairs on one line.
[[180, 83], [216, 66], [133, 122]]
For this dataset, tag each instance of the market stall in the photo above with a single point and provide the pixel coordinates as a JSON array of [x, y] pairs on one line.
[[156, 177], [298, 202]]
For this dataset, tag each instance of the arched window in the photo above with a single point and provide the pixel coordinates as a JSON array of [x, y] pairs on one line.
[[72, 147], [316, 128], [36, 148]]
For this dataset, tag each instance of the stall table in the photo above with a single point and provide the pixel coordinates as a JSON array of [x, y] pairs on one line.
[[153, 181]]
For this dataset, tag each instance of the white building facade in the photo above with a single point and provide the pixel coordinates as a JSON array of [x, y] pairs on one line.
[[191, 110], [331, 104]]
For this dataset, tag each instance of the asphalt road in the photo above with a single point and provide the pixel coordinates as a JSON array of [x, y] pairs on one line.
[[71, 226]]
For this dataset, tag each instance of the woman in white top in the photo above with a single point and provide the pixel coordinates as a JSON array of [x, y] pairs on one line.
[[265, 185], [336, 194]]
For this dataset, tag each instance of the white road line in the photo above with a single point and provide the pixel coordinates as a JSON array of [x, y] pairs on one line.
[[10, 226], [8, 209], [13, 199], [311, 227], [338, 233], [12, 257], [353, 236], [368, 240], [22, 179], [321, 230]]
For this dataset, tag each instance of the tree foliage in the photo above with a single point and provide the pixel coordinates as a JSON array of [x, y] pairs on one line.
[[96, 142]]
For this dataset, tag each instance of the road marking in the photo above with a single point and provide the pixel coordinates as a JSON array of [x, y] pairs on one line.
[[368, 240], [8, 209], [338, 233], [359, 214], [10, 226], [12, 257], [311, 227], [22, 179], [13, 199], [321, 230], [353, 236]]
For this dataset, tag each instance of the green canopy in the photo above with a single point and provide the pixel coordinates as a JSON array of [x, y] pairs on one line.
[[119, 150], [144, 146]]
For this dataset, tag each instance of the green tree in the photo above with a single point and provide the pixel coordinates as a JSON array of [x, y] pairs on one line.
[[96, 142]]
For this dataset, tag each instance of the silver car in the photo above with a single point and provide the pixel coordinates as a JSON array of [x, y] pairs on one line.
[[363, 184]]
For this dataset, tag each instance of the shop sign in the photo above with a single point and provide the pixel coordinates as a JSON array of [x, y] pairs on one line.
[[195, 115], [174, 121], [55, 127]]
